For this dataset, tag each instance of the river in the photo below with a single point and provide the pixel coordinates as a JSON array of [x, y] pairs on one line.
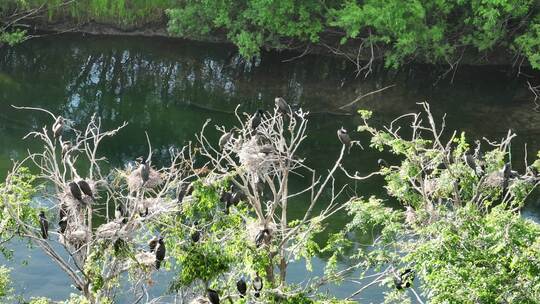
[[170, 87]]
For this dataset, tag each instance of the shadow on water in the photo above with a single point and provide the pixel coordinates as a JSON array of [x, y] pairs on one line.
[[169, 88]]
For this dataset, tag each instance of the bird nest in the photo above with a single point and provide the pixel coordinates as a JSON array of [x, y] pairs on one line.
[[146, 258], [494, 179], [255, 158], [154, 205], [117, 230], [200, 300], [254, 227], [135, 181], [79, 236]]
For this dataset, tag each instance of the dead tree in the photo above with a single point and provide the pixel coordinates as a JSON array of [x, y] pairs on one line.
[[260, 155], [80, 187]]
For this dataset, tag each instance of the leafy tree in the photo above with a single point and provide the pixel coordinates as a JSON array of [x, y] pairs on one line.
[[461, 232]]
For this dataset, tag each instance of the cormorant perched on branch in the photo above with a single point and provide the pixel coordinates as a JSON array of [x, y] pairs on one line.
[[226, 197], [66, 146], [506, 173], [213, 296], [282, 105], [257, 119], [119, 212], [241, 286], [58, 126], [62, 211], [145, 170], [261, 237], [405, 279], [75, 191], [62, 224], [85, 187], [224, 139], [257, 285], [184, 188], [160, 252], [44, 225], [382, 163], [471, 162], [344, 137], [153, 243], [195, 236]]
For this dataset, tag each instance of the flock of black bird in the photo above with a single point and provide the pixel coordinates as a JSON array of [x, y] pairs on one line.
[[80, 188]]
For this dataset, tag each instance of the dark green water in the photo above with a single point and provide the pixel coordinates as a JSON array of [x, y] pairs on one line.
[[169, 88]]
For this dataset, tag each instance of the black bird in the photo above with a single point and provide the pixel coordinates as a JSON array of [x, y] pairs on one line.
[[237, 195], [119, 212], [44, 225], [344, 137], [241, 286], [62, 211], [160, 252], [153, 243], [257, 285], [85, 187], [261, 237], [405, 279], [182, 191], [195, 236], [506, 172], [66, 146], [213, 296], [75, 191], [145, 170], [58, 126], [382, 163], [226, 197], [62, 224], [282, 105], [224, 139], [267, 149], [471, 162], [257, 119]]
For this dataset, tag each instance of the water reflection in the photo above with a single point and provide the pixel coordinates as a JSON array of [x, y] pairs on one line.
[[169, 88]]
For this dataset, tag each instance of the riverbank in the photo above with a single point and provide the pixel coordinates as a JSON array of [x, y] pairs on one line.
[[328, 46]]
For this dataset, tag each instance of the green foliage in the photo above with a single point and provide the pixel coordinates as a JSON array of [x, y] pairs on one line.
[[250, 24], [16, 195], [223, 245], [437, 31], [12, 38], [5, 283], [39, 301], [118, 12], [529, 43], [475, 249], [496, 255], [433, 31]]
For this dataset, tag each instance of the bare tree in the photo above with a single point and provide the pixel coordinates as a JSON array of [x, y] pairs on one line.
[[78, 185], [260, 156]]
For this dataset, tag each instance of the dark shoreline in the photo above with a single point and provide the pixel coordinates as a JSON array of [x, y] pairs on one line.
[[298, 49]]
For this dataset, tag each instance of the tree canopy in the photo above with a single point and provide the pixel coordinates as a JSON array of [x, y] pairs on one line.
[[433, 31]]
